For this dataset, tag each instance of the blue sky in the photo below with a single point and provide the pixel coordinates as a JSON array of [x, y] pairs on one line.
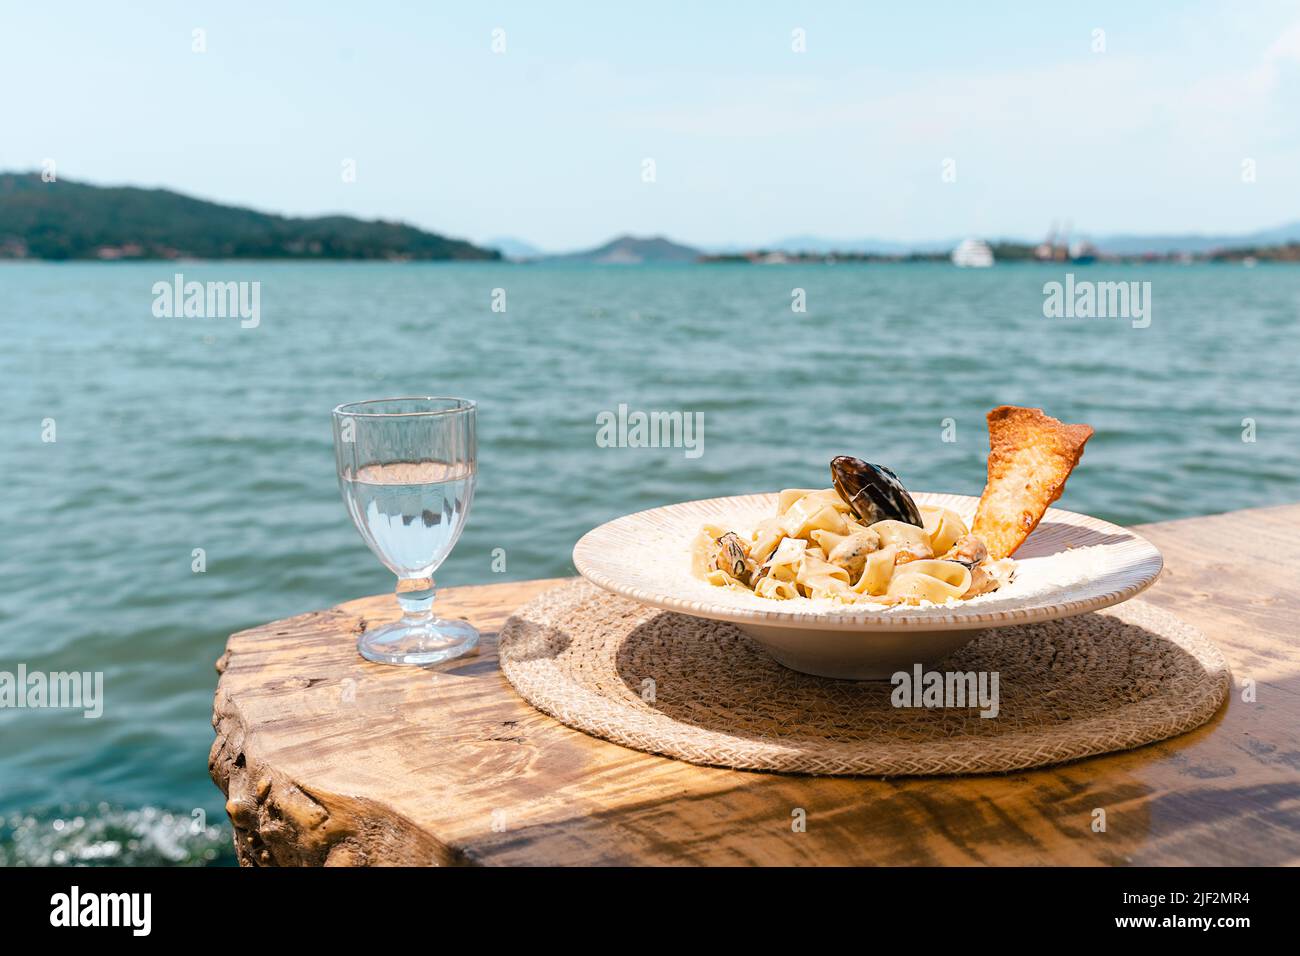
[[751, 140]]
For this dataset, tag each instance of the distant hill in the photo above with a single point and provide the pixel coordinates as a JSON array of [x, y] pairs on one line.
[[818, 245], [72, 220], [516, 249], [1119, 245], [632, 250], [1140, 245]]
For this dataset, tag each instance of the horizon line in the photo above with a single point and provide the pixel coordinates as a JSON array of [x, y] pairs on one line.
[[774, 245]]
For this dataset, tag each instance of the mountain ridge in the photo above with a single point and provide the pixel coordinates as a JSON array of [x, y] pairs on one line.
[[1115, 243], [1120, 244], [628, 249], [68, 219]]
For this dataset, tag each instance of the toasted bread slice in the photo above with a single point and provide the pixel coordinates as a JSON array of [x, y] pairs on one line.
[[1030, 456]]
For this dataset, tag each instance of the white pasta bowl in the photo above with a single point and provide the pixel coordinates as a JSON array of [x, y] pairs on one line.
[[1070, 565]]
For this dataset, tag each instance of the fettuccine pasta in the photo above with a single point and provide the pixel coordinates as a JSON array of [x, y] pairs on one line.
[[818, 546]]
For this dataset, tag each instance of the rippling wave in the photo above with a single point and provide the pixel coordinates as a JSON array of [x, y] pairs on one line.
[[103, 835]]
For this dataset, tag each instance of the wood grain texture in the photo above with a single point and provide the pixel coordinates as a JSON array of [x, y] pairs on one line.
[[327, 759]]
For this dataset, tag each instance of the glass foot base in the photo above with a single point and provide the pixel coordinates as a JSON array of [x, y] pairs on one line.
[[427, 642]]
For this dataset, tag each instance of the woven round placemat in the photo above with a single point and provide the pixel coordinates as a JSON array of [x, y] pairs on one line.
[[702, 691]]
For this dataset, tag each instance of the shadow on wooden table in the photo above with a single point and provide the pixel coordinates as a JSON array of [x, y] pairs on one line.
[[751, 696]]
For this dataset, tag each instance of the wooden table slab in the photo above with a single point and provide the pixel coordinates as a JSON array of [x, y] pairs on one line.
[[328, 759]]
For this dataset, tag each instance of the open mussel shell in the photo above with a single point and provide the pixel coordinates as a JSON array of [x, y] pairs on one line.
[[873, 491]]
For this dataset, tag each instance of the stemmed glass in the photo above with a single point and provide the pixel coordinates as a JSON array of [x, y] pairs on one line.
[[406, 468]]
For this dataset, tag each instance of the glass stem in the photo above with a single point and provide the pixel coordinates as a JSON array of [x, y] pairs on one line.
[[415, 595]]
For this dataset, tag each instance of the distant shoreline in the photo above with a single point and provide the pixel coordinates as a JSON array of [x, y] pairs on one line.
[[68, 221], [943, 261]]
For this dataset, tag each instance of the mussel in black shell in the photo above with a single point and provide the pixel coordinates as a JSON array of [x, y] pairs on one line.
[[873, 491], [733, 557]]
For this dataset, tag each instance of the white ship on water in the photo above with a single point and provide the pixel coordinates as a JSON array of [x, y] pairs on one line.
[[973, 254]]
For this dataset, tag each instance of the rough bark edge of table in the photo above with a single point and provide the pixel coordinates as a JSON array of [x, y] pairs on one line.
[[279, 822]]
